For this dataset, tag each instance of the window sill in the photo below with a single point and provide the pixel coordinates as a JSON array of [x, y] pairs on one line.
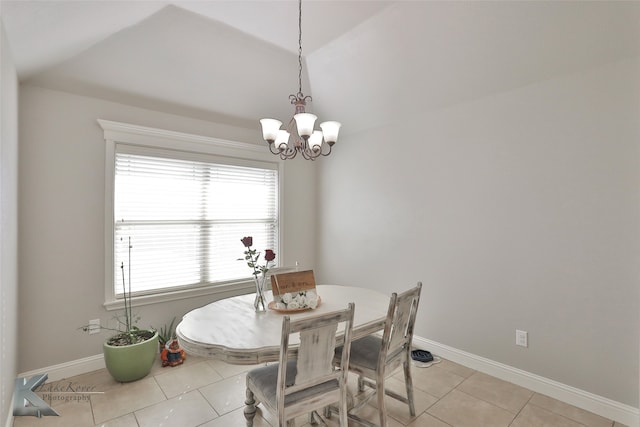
[[221, 291]]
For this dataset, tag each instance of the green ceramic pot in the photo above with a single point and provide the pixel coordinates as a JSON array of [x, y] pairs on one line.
[[131, 362]]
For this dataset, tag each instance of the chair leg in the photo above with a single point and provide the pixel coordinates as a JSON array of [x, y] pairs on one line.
[[409, 385], [344, 407], [250, 407], [382, 410], [360, 383]]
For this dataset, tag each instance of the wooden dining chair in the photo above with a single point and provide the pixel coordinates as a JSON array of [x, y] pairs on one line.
[[375, 357], [305, 379]]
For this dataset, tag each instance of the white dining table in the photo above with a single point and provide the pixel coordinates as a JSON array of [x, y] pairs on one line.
[[232, 331]]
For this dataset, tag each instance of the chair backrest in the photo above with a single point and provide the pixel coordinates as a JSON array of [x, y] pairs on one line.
[[315, 353], [398, 329]]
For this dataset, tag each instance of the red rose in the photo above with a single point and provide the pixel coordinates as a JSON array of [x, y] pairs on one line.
[[269, 255], [247, 241]]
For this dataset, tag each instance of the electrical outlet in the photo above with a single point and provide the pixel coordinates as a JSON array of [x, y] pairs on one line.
[[522, 338], [94, 326]]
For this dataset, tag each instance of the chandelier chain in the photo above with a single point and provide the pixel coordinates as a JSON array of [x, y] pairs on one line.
[[299, 47]]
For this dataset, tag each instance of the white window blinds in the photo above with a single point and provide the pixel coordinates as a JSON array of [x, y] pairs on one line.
[[185, 219]]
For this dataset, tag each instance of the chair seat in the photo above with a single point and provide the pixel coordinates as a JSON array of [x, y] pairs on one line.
[[364, 352], [266, 378]]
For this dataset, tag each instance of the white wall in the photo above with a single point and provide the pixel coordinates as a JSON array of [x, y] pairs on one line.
[[62, 160], [8, 226], [516, 210]]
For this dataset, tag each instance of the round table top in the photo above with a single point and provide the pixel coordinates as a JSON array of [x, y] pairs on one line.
[[231, 330]]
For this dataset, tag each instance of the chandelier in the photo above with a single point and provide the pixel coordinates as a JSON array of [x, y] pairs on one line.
[[299, 135]]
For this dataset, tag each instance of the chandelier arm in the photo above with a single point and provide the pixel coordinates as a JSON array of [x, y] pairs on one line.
[[285, 154], [310, 154], [304, 149], [306, 155], [328, 152], [271, 146], [288, 154]]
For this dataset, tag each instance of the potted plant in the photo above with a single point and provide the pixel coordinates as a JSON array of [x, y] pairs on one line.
[[166, 334], [130, 354]]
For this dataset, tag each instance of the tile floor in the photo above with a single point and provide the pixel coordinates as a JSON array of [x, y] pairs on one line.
[[210, 393]]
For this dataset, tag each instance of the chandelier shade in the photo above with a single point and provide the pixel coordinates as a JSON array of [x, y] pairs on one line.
[[305, 122], [330, 131], [299, 136], [270, 129]]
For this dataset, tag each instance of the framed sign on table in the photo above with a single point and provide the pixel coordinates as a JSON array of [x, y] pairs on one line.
[[294, 292]]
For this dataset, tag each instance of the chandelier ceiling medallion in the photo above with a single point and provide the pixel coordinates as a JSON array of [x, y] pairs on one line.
[[299, 135]]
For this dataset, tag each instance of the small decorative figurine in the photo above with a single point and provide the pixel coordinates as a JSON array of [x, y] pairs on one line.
[[172, 354]]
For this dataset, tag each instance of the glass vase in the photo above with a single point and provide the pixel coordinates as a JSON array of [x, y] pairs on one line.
[[259, 304]]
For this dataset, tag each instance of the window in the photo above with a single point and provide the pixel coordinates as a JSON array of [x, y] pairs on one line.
[[179, 210]]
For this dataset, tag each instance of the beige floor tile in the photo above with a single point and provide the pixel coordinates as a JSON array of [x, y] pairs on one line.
[[156, 368], [186, 377], [399, 410], [271, 418], [72, 414], [99, 380], [426, 420], [535, 416], [126, 398], [236, 419], [455, 368], [367, 412], [493, 390], [227, 370], [437, 382], [370, 413], [617, 424], [462, 410], [587, 418], [186, 410], [332, 421], [226, 395], [128, 420], [66, 391]]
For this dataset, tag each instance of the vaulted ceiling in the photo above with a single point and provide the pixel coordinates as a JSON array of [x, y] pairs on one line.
[[366, 63]]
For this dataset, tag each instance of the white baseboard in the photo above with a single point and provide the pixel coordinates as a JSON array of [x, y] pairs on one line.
[[69, 369], [602, 406]]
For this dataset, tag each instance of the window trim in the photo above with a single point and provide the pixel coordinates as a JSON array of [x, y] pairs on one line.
[[116, 133]]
